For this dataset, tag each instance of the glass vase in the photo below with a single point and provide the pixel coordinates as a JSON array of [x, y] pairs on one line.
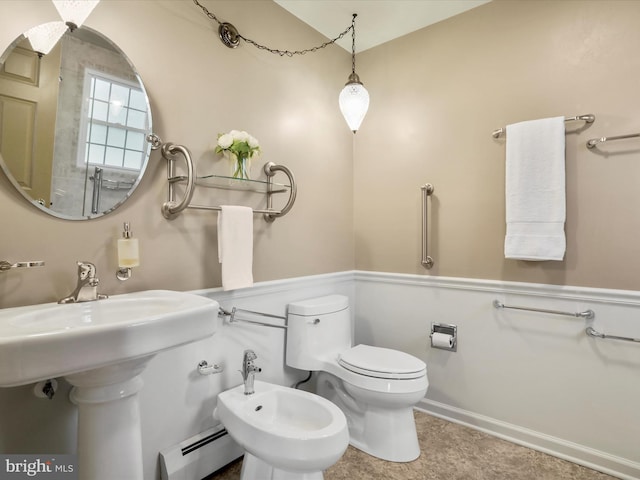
[[240, 167]]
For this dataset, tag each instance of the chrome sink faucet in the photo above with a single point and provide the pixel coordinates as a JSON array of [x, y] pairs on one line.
[[87, 287], [249, 370]]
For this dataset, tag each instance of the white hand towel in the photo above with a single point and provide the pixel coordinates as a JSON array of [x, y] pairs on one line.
[[235, 246], [535, 190]]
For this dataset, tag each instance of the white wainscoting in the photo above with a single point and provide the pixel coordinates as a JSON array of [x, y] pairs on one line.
[[533, 378], [177, 402]]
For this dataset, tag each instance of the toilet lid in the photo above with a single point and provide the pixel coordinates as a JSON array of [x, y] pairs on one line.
[[382, 363]]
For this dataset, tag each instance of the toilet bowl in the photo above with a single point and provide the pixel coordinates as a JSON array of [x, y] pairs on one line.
[[375, 387], [287, 434]]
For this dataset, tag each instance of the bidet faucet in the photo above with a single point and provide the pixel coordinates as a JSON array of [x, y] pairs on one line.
[[87, 287], [249, 371]]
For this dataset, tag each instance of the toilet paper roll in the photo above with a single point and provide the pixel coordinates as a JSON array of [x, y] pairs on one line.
[[441, 340]]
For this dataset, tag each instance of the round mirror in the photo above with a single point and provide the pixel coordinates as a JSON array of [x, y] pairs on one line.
[[73, 123]]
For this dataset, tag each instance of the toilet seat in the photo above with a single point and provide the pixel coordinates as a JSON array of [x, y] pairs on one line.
[[383, 363]]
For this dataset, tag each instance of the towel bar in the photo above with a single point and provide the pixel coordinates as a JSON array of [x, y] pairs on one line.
[[588, 118], [593, 143], [427, 261], [586, 314], [593, 333], [232, 317]]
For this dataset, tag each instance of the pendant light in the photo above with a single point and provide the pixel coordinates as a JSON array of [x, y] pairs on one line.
[[75, 12], [354, 98]]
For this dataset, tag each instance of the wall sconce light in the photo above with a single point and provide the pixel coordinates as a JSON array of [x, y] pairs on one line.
[[354, 98], [44, 37], [75, 12]]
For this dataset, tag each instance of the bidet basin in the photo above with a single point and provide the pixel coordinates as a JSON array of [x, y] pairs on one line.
[[51, 340], [289, 429]]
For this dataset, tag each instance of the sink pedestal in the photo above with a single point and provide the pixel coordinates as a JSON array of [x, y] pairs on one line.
[[109, 436]]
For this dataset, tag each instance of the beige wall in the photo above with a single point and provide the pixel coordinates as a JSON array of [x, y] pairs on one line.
[[436, 97], [198, 88]]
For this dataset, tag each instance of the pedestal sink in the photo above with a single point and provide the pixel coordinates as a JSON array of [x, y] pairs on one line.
[[101, 348]]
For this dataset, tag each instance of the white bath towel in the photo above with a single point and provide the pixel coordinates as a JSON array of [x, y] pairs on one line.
[[535, 190], [235, 246]]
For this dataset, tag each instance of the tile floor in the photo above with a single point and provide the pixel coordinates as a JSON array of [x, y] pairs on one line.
[[451, 452]]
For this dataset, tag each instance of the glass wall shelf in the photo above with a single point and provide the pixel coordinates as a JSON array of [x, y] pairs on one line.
[[249, 185], [173, 207]]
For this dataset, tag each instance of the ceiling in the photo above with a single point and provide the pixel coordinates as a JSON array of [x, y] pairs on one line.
[[378, 21]]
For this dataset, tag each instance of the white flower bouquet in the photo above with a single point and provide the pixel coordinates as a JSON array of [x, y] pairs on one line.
[[240, 147]]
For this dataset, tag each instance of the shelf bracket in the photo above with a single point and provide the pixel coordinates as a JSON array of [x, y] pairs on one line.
[[270, 169]]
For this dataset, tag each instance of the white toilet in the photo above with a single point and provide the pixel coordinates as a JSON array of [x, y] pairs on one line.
[[376, 388]]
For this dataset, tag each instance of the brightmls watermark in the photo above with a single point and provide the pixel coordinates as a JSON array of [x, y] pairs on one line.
[[43, 467]]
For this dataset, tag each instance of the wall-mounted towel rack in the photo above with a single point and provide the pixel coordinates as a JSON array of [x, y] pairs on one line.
[[585, 314], [172, 208], [427, 190], [588, 118], [593, 333], [232, 317], [593, 143]]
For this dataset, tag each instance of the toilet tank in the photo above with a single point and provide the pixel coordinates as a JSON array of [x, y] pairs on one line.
[[318, 330]]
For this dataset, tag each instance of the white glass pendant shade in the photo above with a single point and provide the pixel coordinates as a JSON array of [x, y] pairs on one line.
[[75, 11], [44, 37], [354, 103]]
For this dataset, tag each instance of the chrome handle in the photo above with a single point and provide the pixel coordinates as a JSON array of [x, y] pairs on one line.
[[427, 261], [5, 266]]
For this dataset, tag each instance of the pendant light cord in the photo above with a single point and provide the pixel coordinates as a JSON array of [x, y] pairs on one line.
[[290, 53], [353, 44]]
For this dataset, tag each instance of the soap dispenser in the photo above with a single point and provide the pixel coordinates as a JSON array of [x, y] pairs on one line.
[[128, 253]]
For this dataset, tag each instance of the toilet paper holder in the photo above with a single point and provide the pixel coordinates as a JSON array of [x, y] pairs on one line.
[[445, 329]]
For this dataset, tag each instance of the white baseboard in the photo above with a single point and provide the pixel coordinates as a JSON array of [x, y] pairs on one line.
[[585, 456]]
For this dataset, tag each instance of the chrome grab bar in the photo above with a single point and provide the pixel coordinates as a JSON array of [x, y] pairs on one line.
[[427, 261], [593, 333], [97, 189], [588, 118], [232, 317], [586, 314]]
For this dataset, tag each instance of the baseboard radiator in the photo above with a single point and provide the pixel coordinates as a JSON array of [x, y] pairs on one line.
[[199, 456]]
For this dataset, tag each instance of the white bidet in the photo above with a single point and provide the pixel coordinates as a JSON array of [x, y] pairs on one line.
[[287, 434]]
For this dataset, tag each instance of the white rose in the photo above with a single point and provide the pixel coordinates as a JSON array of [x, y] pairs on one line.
[[244, 136], [225, 140], [253, 142], [239, 136]]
